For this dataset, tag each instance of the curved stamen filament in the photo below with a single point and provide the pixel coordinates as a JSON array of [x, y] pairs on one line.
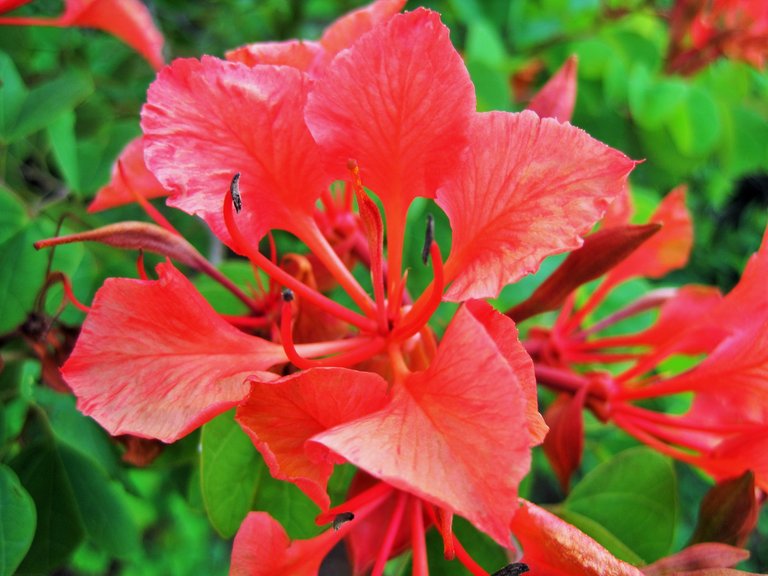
[[140, 269], [462, 555], [68, 293], [361, 352], [425, 306], [242, 246]]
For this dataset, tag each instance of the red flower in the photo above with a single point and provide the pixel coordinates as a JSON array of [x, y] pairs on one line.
[[447, 427], [704, 31], [128, 20]]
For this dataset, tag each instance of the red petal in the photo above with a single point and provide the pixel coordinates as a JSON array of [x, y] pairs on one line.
[[557, 97], [154, 359], [399, 103], [296, 53], [698, 556], [741, 361], [667, 250], [128, 20], [130, 177], [280, 416], [529, 188], [347, 29], [456, 435], [737, 454], [206, 120], [262, 548], [600, 252], [565, 442], [8, 5], [552, 547]]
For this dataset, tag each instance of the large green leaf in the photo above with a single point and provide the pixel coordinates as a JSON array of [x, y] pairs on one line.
[[44, 104], [17, 521], [61, 133], [102, 505], [283, 500], [12, 94], [22, 272], [59, 525], [695, 126], [13, 215], [230, 470], [633, 496]]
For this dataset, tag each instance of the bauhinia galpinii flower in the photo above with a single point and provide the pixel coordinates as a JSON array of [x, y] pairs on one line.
[[332, 142]]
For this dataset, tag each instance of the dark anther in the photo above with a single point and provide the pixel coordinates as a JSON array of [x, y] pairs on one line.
[[342, 519], [429, 237], [512, 570], [287, 295], [234, 190]]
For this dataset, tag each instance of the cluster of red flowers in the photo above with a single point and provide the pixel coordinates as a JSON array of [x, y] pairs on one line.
[[298, 136]]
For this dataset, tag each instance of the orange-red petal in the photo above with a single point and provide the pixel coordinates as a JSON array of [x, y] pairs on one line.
[[458, 434], [280, 416], [155, 360], [529, 187]]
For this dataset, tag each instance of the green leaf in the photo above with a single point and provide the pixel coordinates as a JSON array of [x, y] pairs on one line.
[[102, 505], [17, 521], [61, 133], [653, 102], [46, 103], [13, 215], [599, 533], [284, 501], [12, 95], [695, 126], [59, 526], [633, 496], [22, 272], [230, 470]]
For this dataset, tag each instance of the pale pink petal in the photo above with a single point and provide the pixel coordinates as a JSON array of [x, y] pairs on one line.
[[557, 97], [205, 121], [456, 435], [398, 102], [528, 188], [280, 416], [130, 178], [155, 360]]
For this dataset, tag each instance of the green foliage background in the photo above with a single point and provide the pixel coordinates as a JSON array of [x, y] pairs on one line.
[[69, 101]]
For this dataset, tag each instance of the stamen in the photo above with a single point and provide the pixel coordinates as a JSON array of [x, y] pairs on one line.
[[390, 535], [418, 542], [68, 293], [427, 303], [512, 570], [342, 519], [462, 555], [234, 191], [376, 494], [446, 529], [429, 236], [242, 246], [362, 352], [140, 266]]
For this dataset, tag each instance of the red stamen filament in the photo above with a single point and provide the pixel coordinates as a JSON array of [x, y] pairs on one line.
[[68, 293], [636, 431], [142, 272], [418, 542], [676, 422], [390, 535], [461, 553], [418, 316], [279, 275], [361, 352], [367, 500]]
